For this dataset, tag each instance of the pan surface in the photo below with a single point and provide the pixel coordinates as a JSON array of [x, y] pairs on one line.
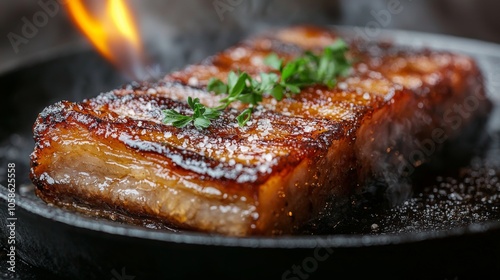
[[75, 246]]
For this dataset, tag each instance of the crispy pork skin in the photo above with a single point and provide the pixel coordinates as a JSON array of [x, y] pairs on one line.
[[112, 155]]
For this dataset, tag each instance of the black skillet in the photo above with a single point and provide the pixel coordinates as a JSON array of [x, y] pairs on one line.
[[63, 244]]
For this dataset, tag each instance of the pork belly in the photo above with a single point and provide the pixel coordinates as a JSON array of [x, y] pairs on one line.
[[295, 160]]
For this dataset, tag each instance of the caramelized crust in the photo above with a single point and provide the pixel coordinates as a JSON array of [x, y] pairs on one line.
[[113, 156]]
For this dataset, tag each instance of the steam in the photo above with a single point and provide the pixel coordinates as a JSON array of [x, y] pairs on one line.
[[177, 33]]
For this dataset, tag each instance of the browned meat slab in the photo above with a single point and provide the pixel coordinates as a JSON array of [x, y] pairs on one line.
[[112, 156]]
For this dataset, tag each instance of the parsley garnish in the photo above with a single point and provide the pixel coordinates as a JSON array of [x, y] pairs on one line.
[[306, 70], [201, 117]]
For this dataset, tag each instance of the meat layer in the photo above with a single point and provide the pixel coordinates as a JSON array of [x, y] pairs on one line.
[[112, 155]]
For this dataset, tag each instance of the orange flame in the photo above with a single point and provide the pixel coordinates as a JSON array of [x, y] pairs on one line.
[[112, 32]]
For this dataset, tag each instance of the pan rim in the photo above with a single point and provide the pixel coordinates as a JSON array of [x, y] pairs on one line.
[[91, 224]]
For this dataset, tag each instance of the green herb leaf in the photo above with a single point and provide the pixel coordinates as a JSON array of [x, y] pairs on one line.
[[244, 117], [216, 86], [253, 99], [232, 78], [273, 61], [211, 114], [239, 84], [182, 121], [278, 92], [289, 69], [200, 123], [191, 102], [201, 117], [338, 45], [170, 116], [268, 80], [293, 88]]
